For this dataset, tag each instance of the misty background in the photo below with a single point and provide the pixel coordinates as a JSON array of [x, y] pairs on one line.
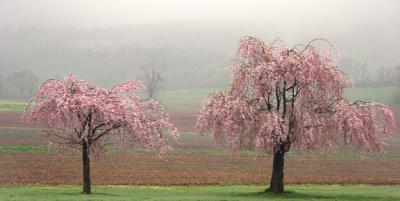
[[189, 42]]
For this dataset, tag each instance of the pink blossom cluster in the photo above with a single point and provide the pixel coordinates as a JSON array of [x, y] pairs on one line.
[[76, 111], [281, 98]]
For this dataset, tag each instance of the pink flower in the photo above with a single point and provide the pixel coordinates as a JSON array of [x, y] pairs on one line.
[[282, 97], [75, 110]]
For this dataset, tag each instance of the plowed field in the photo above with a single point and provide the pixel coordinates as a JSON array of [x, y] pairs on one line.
[[183, 169]]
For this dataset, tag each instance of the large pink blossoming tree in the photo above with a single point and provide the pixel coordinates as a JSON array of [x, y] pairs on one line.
[[282, 98], [81, 115]]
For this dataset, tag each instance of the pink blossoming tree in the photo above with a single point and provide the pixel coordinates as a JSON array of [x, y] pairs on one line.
[[81, 115], [283, 98]]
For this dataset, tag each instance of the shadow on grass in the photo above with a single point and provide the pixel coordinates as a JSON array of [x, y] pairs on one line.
[[92, 194], [289, 195]]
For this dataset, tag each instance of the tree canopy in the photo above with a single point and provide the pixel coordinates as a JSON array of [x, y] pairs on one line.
[[76, 110], [283, 97]]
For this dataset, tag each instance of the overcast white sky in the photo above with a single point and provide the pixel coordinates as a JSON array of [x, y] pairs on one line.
[[123, 12], [368, 30]]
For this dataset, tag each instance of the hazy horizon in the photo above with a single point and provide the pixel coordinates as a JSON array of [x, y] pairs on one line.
[[110, 40]]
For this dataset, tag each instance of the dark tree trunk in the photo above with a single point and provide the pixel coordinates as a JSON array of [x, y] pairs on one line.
[[276, 184], [151, 93], [86, 168]]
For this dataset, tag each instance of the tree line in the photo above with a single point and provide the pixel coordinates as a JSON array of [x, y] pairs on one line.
[[18, 84], [362, 75]]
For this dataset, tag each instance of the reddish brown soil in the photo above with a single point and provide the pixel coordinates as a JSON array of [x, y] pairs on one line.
[[146, 169], [185, 121], [10, 119], [149, 169]]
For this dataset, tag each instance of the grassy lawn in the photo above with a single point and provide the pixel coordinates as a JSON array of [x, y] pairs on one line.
[[23, 149], [234, 192], [25, 140], [190, 100], [185, 99], [386, 95], [11, 106]]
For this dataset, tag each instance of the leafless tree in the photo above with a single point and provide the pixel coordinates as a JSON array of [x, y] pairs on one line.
[[151, 78], [21, 84], [357, 71]]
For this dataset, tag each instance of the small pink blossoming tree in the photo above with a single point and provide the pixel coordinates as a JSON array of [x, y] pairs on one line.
[[82, 115], [283, 98]]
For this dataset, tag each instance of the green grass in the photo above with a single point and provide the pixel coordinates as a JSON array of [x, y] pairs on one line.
[[176, 193], [386, 95], [23, 149], [191, 144], [185, 99], [190, 100], [11, 106]]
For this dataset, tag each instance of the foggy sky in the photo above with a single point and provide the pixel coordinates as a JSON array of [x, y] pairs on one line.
[[340, 13], [367, 31]]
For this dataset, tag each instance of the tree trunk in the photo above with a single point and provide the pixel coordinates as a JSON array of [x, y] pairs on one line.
[[276, 184], [86, 168]]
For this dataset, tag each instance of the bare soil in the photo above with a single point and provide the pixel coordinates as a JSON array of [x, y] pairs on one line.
[[149, 169]]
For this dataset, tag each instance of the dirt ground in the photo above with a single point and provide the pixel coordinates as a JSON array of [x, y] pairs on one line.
[[185, 121], [149, 169], [10, 119], [181, 169]]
